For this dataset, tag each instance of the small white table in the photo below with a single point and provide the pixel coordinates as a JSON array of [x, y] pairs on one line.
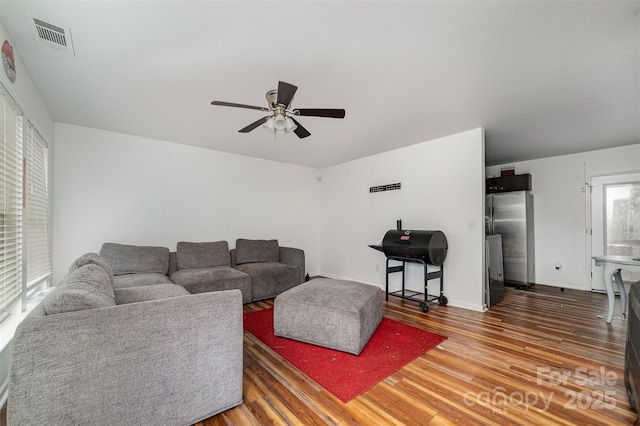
[[611, 270]]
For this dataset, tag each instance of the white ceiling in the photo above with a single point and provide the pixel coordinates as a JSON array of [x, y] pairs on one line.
[[543, 78]]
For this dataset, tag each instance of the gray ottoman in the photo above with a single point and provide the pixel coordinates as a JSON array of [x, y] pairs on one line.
[[336, 314]]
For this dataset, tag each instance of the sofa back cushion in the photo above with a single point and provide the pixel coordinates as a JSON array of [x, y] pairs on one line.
[[202, 255], [92, 258], [255, 251], [126, 259], [86, 287]]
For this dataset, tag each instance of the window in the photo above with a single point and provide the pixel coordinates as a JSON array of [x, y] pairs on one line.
[[24, 206], [10, 201], [36, 209]]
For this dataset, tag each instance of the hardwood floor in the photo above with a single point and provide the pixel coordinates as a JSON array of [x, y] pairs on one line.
[[541, 356]]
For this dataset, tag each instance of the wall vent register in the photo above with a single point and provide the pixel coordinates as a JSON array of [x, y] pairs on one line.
[[387, 187], [52, 35]]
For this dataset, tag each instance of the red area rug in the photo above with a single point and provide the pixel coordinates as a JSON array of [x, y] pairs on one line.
[[346, 376]]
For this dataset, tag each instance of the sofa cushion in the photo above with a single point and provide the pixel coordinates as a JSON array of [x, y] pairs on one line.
[[202, 255], [127, 259], [92, 258], [269, 279], [138, 280], [254, 251], [217, 278], [144, 293], [87, 287]]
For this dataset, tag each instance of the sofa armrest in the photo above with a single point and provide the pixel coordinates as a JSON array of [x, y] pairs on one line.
[[167, 361], [294, 257]]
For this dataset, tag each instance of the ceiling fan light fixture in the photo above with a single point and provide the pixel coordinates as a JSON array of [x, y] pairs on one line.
[[268, 125], [291, 126], [280, 123]]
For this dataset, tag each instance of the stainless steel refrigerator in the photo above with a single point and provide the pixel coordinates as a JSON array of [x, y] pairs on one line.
[[510, 214]]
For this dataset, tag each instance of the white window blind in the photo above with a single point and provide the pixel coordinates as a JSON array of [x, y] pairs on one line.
[[37, 257], [10, 201]]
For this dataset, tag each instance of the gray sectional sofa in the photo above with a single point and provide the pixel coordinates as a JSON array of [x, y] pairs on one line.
[[141, 335], [93, 353], [260, 269]]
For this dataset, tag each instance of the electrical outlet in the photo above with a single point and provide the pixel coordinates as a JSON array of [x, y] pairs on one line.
[[471, 224], [377, 267]]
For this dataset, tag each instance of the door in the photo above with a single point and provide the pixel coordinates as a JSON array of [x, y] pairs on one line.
[[615, 221], [509, 220]]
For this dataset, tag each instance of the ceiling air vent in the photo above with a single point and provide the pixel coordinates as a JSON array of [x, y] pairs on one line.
[[52, 35]]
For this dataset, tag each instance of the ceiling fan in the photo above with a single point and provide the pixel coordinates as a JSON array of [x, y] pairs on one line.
[[280, 120]]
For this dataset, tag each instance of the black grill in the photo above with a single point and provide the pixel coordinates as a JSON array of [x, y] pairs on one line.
[[428, 246], [421, 247]]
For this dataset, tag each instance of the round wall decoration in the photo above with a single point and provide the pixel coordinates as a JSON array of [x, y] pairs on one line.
[[8, 62]]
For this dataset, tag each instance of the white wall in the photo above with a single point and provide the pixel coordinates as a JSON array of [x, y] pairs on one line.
[[560, 209], [133, 190], [442, 189]]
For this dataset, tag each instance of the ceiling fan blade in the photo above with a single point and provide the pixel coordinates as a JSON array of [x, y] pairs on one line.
[[300, 131], [285, 93], [253, 125], [231, 104], [320, 112]]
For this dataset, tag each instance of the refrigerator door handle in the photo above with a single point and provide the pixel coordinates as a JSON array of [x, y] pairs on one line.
[[493, 222]]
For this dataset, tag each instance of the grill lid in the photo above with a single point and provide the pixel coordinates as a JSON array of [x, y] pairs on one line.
[[429, 246]]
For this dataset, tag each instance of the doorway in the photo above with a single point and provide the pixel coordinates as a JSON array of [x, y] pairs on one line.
[[615, 221]]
